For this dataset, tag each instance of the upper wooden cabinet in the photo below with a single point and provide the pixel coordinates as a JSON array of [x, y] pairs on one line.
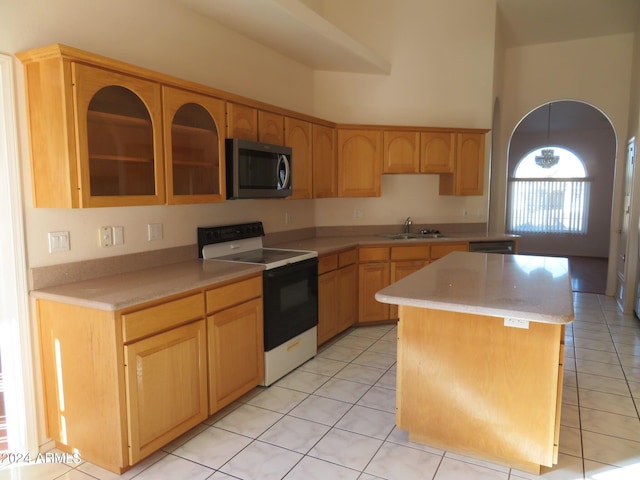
[[401, 152], [95, 134], [270, 127], [456, 155], [437, 152], [297, 135], [242, 122], [105, 133], [359, 163], [249, 123], [468, 178], [119, 138], [193, 147], [325, 168]]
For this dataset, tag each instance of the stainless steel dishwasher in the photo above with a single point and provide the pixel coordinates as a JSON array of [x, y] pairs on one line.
[[493, 246]]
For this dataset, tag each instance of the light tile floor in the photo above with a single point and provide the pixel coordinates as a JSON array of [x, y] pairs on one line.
[[333, 418]]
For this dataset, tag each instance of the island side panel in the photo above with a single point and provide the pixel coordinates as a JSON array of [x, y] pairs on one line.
[[468, 384]]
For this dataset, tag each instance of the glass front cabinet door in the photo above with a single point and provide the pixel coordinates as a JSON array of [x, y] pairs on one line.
[[118, 121], [193, 146]]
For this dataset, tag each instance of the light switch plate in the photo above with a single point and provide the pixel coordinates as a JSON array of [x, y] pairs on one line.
[[118, 235], [59, 242]]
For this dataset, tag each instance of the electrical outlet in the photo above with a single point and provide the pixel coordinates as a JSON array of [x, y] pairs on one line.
[[105, 236], [465, 212], [357, 214], [516, 323], [154, 231], [287, 218]]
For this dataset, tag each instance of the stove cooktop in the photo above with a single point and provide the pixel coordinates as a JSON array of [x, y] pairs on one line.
[[263, 256], [243, 243]]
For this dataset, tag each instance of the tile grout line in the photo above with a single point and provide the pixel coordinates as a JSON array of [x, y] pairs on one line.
[[575, 364]]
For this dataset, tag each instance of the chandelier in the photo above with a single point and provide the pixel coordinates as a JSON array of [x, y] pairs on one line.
[[547, 159]]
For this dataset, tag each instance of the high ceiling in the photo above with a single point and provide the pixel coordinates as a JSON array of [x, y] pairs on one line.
[[298, 31], [530, 22]]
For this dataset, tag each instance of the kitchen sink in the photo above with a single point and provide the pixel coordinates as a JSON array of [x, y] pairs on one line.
[[410, 236]]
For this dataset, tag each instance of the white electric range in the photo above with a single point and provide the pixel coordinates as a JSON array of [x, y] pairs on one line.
[[289, 292]]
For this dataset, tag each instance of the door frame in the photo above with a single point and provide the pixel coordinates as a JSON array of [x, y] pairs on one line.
[[626, 271], [15, 326]]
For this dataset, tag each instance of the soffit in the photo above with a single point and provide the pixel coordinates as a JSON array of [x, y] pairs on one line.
[[531, 22], [295, 30]]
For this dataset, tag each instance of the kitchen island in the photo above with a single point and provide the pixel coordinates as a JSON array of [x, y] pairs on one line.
[[480, 355]]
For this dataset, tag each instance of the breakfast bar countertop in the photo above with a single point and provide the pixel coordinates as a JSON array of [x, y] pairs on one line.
[[521, 287]]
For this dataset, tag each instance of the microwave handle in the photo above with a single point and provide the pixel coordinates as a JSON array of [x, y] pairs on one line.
[[282, 159]]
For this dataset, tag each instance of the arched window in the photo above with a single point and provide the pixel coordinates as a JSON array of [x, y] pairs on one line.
[[549, 193]]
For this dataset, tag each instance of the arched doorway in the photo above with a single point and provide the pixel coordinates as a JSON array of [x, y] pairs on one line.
[[586, 132]]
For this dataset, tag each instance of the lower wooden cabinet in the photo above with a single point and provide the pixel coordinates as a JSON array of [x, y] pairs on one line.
[[372, 277], [347, 280], [236, 352], [402, 269], [82, 363], [440, 250], [379, 266], [118, 385], [337, 292], [166, 387], [236, 340]]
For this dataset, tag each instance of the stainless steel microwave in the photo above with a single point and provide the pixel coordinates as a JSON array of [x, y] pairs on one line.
[[257, 170]]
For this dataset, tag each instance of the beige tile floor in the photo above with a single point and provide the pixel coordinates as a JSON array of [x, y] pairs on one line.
[[333, 418]]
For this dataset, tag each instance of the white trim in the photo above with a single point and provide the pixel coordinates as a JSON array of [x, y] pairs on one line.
[[17, 360]]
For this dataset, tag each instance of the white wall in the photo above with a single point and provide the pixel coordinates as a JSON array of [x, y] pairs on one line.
[[441, 56], [442, 69], [596, 148], [165, 36], [631, 268], [596, 71]]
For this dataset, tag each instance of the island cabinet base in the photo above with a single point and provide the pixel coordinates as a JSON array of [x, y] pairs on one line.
[[468, 384]]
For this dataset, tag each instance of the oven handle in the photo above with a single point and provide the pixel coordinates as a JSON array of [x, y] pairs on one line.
[[292, 267]]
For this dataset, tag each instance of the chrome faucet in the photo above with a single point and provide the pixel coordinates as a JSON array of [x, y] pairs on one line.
[[407, 225]]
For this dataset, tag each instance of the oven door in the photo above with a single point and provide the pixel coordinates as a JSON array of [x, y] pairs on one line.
[[290, 301]]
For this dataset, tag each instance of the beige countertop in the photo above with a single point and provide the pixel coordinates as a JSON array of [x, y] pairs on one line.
[[115, 292], [520, 287], [324, 245]]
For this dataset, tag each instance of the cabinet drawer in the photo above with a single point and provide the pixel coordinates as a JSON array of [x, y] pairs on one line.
[[439, 251], [326, 263], [233, 294], [347, 258], [373, 254], [414, 252], [149, 321]]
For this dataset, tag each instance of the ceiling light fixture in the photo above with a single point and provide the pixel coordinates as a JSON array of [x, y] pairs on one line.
[[547, 159]]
